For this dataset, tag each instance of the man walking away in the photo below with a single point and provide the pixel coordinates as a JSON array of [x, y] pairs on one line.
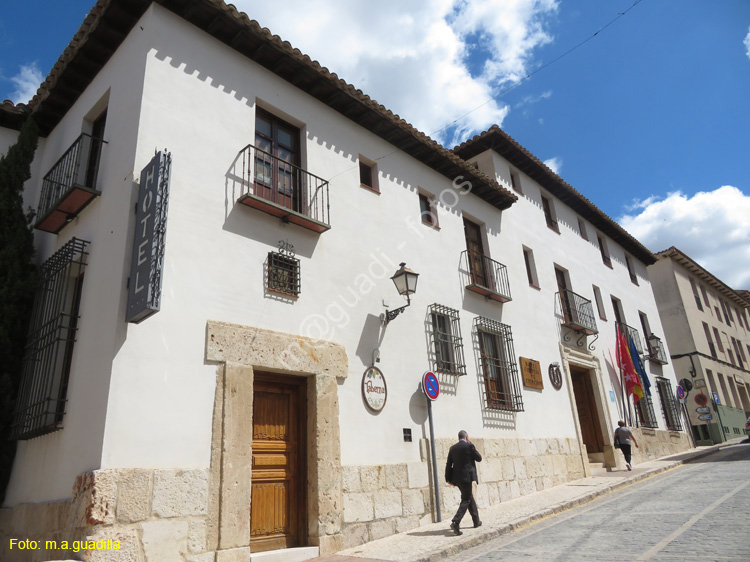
[[461, 471]]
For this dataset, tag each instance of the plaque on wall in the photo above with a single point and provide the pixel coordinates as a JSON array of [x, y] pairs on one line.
[[532, 373], [374, 389], [555, 377]]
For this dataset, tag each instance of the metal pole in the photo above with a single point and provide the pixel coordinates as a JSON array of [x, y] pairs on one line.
[[434, 462]]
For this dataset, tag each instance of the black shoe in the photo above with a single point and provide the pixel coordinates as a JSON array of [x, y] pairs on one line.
[[477, 524], [455, 528]]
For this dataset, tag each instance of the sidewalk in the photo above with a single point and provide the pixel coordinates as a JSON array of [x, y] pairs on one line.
[[436, 541]]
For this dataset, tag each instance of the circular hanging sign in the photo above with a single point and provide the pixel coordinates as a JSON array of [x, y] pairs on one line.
[[430, 385], [680, 391], [701, 399], [555, 377], [374, 390]]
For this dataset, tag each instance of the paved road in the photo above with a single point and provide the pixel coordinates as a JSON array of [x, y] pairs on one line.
[[699, 511]]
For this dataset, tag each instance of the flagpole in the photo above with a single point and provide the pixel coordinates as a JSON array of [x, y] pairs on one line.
[[622, 377]]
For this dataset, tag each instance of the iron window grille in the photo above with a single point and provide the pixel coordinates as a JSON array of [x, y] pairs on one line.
[[645, 410], [283, 274], [668, 404], [498, 365], [447, 343], [40, 404]]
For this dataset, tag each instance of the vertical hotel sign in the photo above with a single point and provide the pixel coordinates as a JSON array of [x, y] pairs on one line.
[[144, 290]]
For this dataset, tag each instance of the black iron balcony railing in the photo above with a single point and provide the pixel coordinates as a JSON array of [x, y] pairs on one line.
[[656, 351], [485, 276], [70, 185], [284, 190], [631, 333], [577, 312]]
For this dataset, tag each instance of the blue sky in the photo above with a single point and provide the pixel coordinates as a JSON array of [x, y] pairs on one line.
[[649, 119]]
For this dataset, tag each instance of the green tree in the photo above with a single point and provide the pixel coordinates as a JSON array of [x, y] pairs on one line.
[[17, 281]]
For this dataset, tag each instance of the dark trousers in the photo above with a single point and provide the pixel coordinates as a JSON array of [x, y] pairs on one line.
[[467, 502], [626, 451]]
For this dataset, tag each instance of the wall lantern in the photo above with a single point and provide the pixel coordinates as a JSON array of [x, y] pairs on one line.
[[406, 284]]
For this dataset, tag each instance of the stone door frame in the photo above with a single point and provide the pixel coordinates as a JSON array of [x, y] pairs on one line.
[[239, 351]]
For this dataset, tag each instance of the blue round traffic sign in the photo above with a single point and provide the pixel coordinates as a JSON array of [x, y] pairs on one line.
[[680, 391], [430, 385]]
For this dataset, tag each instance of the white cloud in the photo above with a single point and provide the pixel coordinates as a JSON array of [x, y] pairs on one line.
[[747, 44], [554, 164], [27, 82], [414, 57], [712, 227]]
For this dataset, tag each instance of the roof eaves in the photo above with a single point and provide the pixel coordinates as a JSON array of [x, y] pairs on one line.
[[110, 20], [501, 142]]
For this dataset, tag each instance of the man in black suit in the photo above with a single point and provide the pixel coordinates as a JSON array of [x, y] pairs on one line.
[[461, 471]]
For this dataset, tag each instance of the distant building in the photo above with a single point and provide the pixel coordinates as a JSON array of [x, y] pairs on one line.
[[257, 398], [707, 330]]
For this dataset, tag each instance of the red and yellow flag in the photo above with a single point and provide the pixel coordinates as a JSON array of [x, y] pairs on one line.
[[629, 374]]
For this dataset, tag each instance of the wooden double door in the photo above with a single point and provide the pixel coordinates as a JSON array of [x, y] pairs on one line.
[[279, 468]]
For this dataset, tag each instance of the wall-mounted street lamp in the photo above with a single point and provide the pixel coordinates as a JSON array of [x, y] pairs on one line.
[[406, 284]]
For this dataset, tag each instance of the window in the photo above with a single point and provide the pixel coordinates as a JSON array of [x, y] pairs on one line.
[[617, 305], [644, 324], [515, 181], [604, 251], [283, 273], [645, 410], [549, 214], [40, 404], [599, 302], [710, 342], [631, 270], [277, 172], [498, 365], [528, 258], [727, 313], [695, 295], [95, 149], [447, 343], [740, 354], [668, 404], [428, 210], [718, 340], [582, 229], [368, 176], [705, 296], [718, 314]]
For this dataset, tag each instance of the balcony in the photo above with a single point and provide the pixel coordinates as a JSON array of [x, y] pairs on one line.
[[485, 276], [284, 190], [631, 334], [656, 351], [577, 313], [70, 185]]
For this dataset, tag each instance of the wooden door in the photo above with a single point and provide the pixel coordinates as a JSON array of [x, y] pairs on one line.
[[473, 234], [277, 175], [278, 506], [562, 287], [586, 406]]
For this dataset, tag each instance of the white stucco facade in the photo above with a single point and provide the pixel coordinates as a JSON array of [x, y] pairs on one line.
[[156, 397]]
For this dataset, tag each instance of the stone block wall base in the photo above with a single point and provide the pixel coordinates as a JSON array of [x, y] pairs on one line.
[[386, 499]]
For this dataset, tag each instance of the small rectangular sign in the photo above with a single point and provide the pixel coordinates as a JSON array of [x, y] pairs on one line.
[[699, 383], [532, 373]]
